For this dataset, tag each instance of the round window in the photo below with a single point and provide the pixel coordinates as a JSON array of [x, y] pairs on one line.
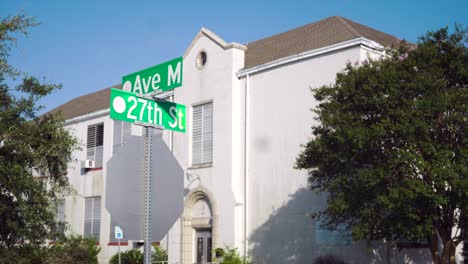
[[201, 60]]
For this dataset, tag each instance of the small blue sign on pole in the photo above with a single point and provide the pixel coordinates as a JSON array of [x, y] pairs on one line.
[[118, 235], [118, 232]]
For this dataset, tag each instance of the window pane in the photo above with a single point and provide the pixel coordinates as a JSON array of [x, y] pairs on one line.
[[95, 140], [122, 131], [202, 133], [117, 138], [339, 236], [91, 137], [92, 219], [99, 135]]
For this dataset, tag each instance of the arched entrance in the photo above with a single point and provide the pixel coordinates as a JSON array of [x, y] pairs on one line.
[[199, 232]]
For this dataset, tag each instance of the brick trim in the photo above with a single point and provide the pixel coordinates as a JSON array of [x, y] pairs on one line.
[[94, 169], [117, 243]]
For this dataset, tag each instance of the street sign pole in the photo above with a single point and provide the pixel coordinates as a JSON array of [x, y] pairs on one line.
[[120, 260], [147, 248], [136, 104], [118, 234], [148, 156]]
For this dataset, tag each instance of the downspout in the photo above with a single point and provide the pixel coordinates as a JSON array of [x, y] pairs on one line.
[[171, 148], [246, 108], [171, 133]]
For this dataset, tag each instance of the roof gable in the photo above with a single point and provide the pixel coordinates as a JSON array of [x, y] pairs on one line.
[[215, 38]]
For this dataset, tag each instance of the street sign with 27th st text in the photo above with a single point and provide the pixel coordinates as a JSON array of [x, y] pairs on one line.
[[129, 107]]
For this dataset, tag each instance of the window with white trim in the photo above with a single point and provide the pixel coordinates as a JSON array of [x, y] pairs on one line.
[[202, 134], [61, 216], [60, 221], [94, 144], [92, 219]]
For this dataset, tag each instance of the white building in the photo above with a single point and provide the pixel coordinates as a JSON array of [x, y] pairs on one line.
[[248, 109]]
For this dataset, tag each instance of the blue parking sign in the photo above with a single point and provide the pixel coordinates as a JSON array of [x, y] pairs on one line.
[[118, 232]]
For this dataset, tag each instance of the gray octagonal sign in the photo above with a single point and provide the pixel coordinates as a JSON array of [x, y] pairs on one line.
[[125, 188]]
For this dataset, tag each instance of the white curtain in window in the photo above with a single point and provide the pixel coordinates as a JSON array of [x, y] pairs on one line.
[[202, 134], [92, 221]]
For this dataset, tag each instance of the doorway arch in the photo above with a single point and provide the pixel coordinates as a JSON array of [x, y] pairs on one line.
[[199, 216]]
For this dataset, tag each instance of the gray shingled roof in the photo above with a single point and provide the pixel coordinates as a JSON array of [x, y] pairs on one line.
[[316, 35], [312, 36], [85, 104]]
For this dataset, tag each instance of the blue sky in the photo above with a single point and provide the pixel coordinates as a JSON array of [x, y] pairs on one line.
[[89, 45]]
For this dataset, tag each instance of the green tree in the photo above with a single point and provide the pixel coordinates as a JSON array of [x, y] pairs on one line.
[[391, 150], [30, 146]]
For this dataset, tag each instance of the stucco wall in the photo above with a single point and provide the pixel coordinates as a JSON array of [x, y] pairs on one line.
[[279, 121], [90, 183], [214, 83]]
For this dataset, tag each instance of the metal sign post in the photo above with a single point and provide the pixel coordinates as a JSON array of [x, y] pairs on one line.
[[137, 104], [148, 157], [119, 235], [147, 248], [120, 260]]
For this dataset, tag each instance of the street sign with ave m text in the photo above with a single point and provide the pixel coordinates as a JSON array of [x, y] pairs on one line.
[[160, 78]]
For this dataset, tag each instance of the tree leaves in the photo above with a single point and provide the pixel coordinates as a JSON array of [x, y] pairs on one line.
[[34, 151], [391, 147]]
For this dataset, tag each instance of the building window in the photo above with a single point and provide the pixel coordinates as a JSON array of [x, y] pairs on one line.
[[60, 219], [341, 236], [61, 216], [201, 60], [94, 143], [92, 221], [202, 134], [122, 131]]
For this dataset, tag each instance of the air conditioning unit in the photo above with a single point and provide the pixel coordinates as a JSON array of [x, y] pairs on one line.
[[88, 164]]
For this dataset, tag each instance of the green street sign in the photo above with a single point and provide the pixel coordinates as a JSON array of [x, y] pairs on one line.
[[128, 107], [159, 78]]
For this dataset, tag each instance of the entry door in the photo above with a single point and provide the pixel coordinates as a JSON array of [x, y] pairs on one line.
[[203, 243]]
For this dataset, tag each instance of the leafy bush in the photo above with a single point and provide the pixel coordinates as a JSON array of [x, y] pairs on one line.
[[71, 250], [135, 256], [74, 250], [230, 256], [24, 254], [159, 254]]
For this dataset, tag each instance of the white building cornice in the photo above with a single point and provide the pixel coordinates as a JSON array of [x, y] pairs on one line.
[[361, 41], [216, 39], [88, 116]]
